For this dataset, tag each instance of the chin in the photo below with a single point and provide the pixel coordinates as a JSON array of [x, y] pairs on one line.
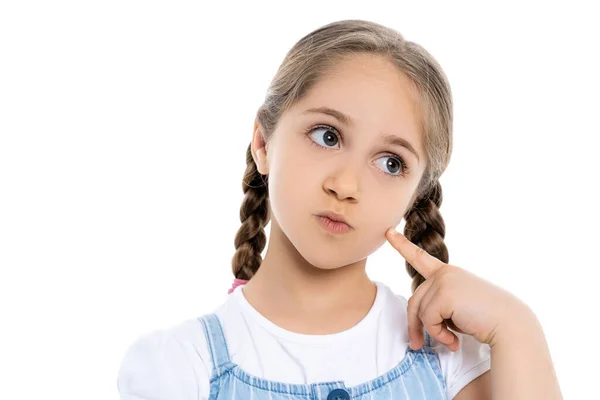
[[318, 255], [326, 258], [326, 255], [327, 264]]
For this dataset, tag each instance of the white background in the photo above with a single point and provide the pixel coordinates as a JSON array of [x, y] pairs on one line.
[[124, 126]]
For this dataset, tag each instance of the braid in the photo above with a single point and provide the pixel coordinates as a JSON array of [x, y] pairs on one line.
[[250, 239], [425, 227]]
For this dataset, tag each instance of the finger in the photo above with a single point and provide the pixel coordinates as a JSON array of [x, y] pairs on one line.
[[456, 342], [439, 332], [431, 316], [415, 326], [450, 324], [423, 262]]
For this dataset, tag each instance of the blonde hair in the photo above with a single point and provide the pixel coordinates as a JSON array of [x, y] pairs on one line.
[[306, 62]]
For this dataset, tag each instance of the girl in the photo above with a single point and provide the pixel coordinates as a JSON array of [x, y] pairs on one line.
[[353, 136]]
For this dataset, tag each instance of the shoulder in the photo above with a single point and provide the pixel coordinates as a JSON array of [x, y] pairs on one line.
[[461, 367], [166, 364]]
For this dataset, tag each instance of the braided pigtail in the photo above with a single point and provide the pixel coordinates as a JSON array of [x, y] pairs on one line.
[[250, 239], [425, 227], [313, 58]]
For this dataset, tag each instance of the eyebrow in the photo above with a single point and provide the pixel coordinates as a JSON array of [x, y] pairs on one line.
[[347, 120]]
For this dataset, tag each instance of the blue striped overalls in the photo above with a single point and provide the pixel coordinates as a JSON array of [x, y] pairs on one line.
[[417, 376]]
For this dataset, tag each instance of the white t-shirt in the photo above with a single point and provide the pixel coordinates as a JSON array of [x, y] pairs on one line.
[[174, 363]]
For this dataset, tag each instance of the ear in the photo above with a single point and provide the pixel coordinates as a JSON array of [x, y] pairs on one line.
[[259, 149]]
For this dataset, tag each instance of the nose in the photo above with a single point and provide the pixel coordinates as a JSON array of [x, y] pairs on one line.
[[343, 185]]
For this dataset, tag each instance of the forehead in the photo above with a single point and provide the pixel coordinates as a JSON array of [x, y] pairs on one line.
[[373, 92]]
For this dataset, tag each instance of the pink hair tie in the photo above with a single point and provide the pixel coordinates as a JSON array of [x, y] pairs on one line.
[[236, 283]]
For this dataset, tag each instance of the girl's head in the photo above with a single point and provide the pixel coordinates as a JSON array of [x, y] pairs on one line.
[[358, 121]]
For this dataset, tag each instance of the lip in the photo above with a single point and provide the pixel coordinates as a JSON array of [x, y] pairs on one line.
[[333, 223], [334, 217]]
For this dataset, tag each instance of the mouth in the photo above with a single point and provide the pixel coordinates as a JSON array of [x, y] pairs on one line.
[[333, 222], [334, 217]]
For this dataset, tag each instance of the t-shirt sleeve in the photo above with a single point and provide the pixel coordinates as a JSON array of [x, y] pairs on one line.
[[459, 368], [158, 366]]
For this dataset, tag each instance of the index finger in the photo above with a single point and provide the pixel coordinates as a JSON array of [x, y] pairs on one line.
[[422, 261]]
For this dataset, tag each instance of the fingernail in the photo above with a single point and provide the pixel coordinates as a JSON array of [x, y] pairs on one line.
[[393, 232]]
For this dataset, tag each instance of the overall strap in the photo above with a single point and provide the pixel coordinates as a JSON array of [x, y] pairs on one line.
[[427, 339], [217, 345]]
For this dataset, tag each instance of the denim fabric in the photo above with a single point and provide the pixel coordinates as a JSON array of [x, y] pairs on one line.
[[417, 376]]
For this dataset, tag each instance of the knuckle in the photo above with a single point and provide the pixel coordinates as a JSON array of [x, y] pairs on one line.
[[421, 313], [450, 269], [445, 274], [410, 307], [412, 312], [419, 252]]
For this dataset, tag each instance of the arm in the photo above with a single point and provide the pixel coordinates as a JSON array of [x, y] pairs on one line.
[[457, 299], [521, 361], [479, 388], [521, 364]]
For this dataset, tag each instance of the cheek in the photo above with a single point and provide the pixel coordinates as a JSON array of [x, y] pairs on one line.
[[385, 202], [376, 220], [292, 170], [289, 186], [389, 213]]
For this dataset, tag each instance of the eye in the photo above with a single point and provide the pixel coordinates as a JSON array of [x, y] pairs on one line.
[[324, 136], [392, 164]]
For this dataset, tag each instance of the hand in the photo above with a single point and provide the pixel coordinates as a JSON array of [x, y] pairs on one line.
[[453, 297]]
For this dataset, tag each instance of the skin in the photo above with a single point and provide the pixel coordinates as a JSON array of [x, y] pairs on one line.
[[307, 273], [453, 297]]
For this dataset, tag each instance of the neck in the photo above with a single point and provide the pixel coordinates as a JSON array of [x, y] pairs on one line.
[[286, 284]]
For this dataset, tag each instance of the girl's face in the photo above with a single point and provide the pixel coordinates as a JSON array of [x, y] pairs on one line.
[[318, 162]]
